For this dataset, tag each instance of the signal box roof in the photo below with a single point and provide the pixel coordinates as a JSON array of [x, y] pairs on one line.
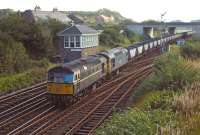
[[78, 29]]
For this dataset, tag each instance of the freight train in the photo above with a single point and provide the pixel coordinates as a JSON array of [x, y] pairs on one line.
[[70, 81]]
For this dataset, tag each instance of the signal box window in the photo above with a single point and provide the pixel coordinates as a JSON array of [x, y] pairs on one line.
[[66, 43], [71, 41], [77, 41]]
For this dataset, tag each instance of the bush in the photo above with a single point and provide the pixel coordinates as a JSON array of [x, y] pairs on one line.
[[129, 123], [159, 106], [33, 37], [174, 109], [189, 102], [18, 81], [13, 55], [173, 72], [147, 85], [43, 63], [114, 36], [191, 50], [159, 100]]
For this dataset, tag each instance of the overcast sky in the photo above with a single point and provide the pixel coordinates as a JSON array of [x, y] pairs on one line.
[[137, 10]]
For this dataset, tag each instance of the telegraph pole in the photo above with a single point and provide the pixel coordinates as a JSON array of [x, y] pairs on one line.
[[162, 27]]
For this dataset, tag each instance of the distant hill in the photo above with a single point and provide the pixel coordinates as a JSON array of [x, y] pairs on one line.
[[5, 12], [99, 17], [195, 21]]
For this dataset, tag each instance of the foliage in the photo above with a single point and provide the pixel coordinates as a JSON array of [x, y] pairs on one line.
[[191, 50], [29, 34], [150, 21], [174, 109], [173, 72], [25, 45], [187, 106], [35, 73], [95, 17], [132, 37], [126, 22], [51, 27], [129, 123], [18, 81], [111, 36], [14, 58], [145, 121], [38, 38], [117, 36], [159, 100], [5, 12], [189, 101], [13, 55], [147, 85], [159, 105]]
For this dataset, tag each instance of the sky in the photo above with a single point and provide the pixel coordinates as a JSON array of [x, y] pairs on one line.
[[137, 10]]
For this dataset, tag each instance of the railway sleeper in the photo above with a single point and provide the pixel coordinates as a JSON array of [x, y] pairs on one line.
[[96, 116], [83, 130], [79, 133], [98, 113]]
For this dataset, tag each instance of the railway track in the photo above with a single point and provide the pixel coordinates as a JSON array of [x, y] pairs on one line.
[[21, 106], [91, 121], [38, 128], [100, 105], [35, 115], [10, 100]]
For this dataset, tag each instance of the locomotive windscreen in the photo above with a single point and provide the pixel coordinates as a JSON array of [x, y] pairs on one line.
[[68, 78]]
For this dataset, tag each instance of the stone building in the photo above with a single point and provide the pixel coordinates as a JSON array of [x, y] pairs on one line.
[[37, 14], [77, 41]]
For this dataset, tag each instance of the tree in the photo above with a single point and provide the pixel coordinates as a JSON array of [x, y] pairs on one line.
[[51, 27], [133, 37], [29, 34], [112, 36], [117, 35], [13, 56], [151, 21]]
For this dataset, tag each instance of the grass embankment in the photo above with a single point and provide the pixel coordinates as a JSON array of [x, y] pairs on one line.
[[29, 77], [167, 102]]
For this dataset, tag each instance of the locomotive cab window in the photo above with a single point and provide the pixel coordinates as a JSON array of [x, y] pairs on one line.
[[58, 77], [50, 77], [113, 62], [68, 78]]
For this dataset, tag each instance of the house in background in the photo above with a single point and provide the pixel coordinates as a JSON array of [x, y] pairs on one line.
[[37, 14], [77, 41]]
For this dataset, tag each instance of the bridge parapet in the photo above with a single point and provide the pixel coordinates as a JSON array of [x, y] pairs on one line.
[[172, 28]]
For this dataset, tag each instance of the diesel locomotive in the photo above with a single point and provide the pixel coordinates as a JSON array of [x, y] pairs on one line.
[[70, 81]]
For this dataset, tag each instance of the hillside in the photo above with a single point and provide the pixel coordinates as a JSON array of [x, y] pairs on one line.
[[99, 17]]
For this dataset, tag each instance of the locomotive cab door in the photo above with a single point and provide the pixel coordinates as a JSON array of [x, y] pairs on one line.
[[103, 68], [78, 80]]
